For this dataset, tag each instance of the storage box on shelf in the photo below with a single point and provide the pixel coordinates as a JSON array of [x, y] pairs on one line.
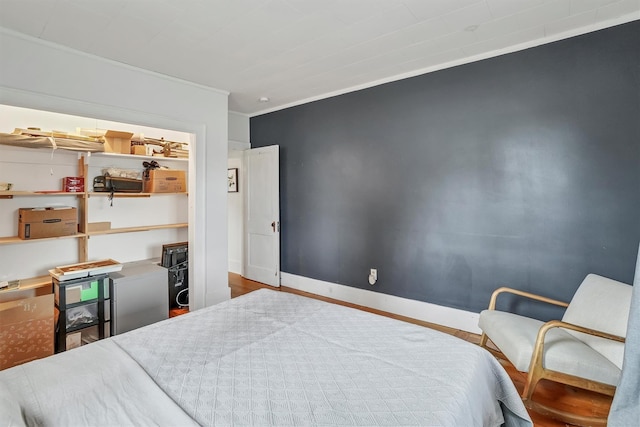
[[73, 184], [37, 223], [139, 150], [164, 181], [117, 142]]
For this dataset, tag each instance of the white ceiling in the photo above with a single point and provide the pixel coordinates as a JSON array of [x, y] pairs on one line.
[[293, 51]]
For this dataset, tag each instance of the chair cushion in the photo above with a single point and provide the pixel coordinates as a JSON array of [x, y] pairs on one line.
[[515, 336], [601, 304]]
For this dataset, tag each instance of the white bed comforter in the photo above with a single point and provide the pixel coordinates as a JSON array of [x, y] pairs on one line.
[[270, 359], [273, 358], [94, 385]]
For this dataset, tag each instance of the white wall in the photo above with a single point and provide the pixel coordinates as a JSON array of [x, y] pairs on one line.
[[235, 215], [238, 141], [45, 76], [238, 130]]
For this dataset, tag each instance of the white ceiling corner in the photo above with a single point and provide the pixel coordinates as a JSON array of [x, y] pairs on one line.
[[293, 51]]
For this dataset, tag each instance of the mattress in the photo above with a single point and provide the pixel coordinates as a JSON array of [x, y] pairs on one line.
[[271, 358]]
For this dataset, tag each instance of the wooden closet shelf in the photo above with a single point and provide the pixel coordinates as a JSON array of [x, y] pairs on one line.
[[15, 239], [12, 194], [133, 195], [136, 229]]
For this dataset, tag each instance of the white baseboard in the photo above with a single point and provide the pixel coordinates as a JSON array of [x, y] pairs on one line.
[[445, 316]]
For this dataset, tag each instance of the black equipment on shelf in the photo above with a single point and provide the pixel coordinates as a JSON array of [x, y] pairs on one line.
[[175, 257], [110, 184]]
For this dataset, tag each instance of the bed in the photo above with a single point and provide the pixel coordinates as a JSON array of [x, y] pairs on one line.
[[267, 358]]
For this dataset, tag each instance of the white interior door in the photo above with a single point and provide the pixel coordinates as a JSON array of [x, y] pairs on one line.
[[262, 215]]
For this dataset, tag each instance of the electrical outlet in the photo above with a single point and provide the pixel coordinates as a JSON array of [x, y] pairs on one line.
[[373, 276]]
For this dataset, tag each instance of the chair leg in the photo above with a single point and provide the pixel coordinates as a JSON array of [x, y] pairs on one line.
[[483, 340], [533, 377]]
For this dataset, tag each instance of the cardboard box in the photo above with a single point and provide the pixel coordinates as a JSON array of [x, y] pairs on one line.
[[82, 337], [73, 180], [73, 184], [37, 223], [139, 150], [99, 226], [117, 142], [26, 330], [165, 181]]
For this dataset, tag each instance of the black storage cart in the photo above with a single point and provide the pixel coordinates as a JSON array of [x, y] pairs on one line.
[[84, 311]]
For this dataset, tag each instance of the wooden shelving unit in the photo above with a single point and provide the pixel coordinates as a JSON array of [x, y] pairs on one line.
[[82, 203]]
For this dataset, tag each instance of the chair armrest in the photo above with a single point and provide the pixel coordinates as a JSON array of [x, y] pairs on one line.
[[537, 371], [494, 297], [538, 349], [560, 324]]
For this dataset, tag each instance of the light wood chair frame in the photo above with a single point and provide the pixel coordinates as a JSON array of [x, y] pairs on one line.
[[537, 371]]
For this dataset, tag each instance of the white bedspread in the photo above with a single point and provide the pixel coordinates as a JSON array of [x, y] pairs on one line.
[[94, 385], [273, 358], [266, 359]]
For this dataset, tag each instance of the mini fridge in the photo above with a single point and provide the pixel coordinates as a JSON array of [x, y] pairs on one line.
[[138, 295]]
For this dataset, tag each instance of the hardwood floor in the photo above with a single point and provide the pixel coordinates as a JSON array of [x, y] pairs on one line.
[[556, 395], [173, 312]]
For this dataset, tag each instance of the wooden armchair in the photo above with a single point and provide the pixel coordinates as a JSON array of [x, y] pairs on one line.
[[584, 349]]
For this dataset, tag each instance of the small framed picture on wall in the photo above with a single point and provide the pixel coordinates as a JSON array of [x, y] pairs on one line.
[[232, 180]]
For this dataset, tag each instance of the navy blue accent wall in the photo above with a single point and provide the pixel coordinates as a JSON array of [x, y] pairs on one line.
[[520, 170]]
